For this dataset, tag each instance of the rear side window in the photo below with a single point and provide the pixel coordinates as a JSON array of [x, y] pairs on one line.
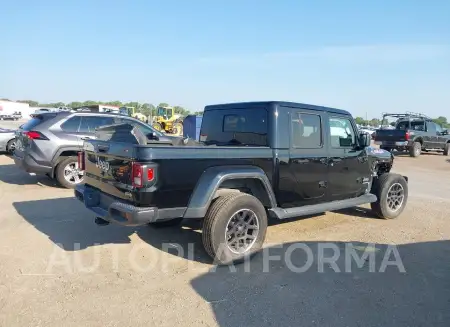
[[306, 131], [71, 125], [415, 125], [235, 127], [90, 123]]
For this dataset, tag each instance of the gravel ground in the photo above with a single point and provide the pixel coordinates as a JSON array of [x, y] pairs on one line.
[[59, 269]]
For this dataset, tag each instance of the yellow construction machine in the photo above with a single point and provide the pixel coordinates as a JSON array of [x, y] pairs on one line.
[[131, 112], [166, 120]]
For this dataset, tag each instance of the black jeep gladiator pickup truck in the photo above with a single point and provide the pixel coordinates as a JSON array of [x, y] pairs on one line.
[[254, 160], [413, 133]]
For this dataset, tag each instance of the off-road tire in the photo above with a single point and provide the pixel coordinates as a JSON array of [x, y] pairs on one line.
[[166, 223], [216, 221], [447, 149], [380, 188], [415, 150], [59, 173], [158, 127]]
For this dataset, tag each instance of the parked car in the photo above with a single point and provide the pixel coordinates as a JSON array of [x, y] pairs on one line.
[[49, 142], [14, 116], [256, 159], [7, 140], [413, 133]]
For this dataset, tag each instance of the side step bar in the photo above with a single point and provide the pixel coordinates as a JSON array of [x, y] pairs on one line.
[[281, 213]]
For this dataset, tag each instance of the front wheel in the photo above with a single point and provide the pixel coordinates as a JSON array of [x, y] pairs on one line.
[[392, 193], [157, 126], [234, 228], [68, 173]]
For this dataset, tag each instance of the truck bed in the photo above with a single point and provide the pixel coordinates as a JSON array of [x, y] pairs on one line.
[[176, 169]]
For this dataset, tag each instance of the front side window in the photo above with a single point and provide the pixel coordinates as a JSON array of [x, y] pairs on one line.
[[341, 132], [306, 131], [438, 128]]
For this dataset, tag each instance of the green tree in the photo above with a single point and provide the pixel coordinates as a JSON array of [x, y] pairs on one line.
[[74, 104], [374, 122], [163, 104], [180, 110], [359, 120], [115, 103], [198, 113], [147, 109], [32, 103], [441, 120]]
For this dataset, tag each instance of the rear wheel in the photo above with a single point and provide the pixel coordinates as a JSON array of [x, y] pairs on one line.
[[177, 128], [68, 173], [447, 149], [11, 146], [415, 150], [234, 228], [392, 193]]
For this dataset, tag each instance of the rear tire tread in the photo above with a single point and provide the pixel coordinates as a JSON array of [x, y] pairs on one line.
[[219, 204]]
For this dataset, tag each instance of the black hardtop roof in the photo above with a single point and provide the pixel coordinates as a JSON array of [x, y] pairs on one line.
[[252, 104]]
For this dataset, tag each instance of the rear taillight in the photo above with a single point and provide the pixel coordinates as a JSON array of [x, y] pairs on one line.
[[407, 135], [33, 135], [81, 165], [140, 174]]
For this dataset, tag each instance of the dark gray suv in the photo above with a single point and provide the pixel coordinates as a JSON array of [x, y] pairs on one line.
[[49, 142]]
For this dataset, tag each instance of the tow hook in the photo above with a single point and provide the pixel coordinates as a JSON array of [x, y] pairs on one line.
[[101, 222]]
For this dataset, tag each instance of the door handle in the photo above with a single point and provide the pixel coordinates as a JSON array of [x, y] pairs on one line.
[[85, 138], [103, 148]]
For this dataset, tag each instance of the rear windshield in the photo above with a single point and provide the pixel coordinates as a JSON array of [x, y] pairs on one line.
[[242, 126], [36, 120], [32, 123]]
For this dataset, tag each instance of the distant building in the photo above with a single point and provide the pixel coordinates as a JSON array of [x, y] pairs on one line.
[[10, 107]]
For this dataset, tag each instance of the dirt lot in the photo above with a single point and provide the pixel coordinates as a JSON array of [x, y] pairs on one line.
[[57, 268]]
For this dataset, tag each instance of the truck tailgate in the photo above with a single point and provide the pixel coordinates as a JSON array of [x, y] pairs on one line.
[[390, 135], [108, 167]]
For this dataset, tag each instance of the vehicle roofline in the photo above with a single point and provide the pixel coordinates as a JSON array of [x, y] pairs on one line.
[[251, 104]]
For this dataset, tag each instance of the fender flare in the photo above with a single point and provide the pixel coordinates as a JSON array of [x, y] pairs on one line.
[[57, 155], [213, 177]]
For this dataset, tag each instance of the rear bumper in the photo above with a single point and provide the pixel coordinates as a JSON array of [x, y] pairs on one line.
[[27, 163], [119, 211], [392, 144]]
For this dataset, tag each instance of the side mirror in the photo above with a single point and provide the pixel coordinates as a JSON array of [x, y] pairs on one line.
[[364, 139]]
